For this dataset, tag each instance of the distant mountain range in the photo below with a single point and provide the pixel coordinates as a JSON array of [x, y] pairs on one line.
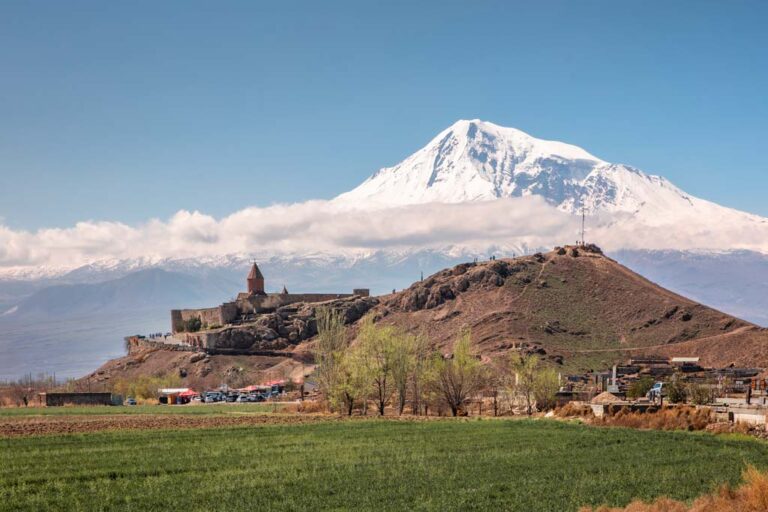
[[470, 161]]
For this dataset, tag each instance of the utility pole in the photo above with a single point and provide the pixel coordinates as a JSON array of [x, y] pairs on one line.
[[583, 222]]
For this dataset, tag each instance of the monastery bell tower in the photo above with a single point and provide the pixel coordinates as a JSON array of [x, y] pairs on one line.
[[255, 281]]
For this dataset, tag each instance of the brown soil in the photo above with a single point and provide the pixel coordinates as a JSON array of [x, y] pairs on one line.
[[606, 398], [18, 427]]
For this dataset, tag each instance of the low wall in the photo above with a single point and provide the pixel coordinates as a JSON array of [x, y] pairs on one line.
[[61, 399], [174, 344], [752, 418]]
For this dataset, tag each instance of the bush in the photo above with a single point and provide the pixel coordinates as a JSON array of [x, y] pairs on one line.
[[676, 392], [640, 387], [144, 387], [312, 406], [193, 324], [571, 410], [667, 418], [701, 394]]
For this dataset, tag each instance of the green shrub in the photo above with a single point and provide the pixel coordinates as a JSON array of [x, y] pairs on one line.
[[193, 324], [676, 391], [701, 394], [640, 387]]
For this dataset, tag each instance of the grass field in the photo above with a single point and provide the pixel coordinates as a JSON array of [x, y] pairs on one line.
[[367, 465]]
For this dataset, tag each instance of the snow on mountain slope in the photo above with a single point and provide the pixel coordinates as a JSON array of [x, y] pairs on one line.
[[477, 160]]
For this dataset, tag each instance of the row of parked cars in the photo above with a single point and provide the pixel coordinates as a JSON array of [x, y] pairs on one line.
[[253, 396]]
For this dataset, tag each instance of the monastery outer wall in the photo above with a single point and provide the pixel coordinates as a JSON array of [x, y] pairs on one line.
[[229, 311], [220, 315], [262, 303]]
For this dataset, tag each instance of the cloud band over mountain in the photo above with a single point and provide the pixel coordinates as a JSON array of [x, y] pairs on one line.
[[322, 226]]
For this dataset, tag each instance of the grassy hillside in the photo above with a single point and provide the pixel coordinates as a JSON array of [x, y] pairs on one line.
[[367, 465]]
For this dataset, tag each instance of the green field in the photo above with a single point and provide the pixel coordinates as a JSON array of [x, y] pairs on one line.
[[367, 465]]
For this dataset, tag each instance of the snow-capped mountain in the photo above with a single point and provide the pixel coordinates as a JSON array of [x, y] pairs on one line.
[[66, 309], [477, 160]]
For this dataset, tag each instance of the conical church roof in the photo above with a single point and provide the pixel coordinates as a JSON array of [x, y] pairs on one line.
[[255, 273]]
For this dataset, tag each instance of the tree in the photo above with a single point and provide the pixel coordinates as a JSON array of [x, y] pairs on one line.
[[353, 379], [524, 371], [402, 366], [420, 373], [329, 353], [460, 376], [378, 351], [534, 383], [546, 386], [495, 382]]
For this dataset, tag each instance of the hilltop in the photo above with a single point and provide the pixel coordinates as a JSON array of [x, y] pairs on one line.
[[574, 306]]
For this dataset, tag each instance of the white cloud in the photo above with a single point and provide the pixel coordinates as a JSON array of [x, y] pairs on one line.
[[321, 226]]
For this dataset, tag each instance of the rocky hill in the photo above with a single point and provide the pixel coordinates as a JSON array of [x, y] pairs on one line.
[[573, 306], [272, 345]]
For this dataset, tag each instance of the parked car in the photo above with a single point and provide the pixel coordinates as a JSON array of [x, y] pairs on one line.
[[231, 398], [130, 401], [213, 396], [657, 392], [243, 398]]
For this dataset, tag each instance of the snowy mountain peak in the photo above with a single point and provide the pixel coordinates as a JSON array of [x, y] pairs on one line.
[[478, 160]]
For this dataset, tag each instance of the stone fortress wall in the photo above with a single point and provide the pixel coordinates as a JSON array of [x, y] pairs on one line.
[[232, 312], [248, 304]]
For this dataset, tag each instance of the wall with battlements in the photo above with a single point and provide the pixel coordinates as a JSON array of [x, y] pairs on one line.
[[245, 305]]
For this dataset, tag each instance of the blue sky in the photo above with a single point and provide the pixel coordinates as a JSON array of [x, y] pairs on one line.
[[127, 111]]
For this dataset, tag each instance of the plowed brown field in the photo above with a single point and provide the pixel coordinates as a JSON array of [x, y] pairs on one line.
[[19, 427]]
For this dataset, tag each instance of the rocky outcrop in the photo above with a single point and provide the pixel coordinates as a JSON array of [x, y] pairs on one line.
[[447, 285], [286, 327]]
